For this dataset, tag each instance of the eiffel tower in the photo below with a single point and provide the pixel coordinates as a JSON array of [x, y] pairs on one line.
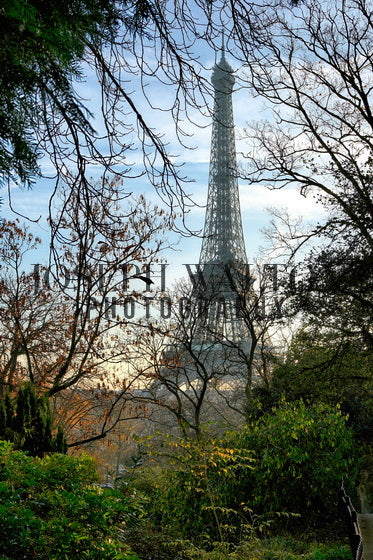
[[205, 365], [223, 236], [223, 271]]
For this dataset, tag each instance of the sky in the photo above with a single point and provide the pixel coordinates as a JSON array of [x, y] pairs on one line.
[[255, 200]]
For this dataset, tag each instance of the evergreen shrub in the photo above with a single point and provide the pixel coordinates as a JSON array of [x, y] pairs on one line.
[[51, 510]]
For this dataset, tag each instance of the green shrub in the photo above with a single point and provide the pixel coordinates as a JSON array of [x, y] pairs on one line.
[[301, 455], [27, 421], [50, 510], [288, 462], [193, 498], [160, 546]]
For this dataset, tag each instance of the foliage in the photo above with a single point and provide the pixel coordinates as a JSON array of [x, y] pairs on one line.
[[28, 421], [42, 44], [161, 546], [211, 490], [55, 322], [323, 366], [48, 48], [288, 463], [336, 286], [273, 549], [50, 509], [195, 494], [301, 454], [218, 500]]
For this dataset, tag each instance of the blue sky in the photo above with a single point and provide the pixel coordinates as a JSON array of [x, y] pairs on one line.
[[254, 199]]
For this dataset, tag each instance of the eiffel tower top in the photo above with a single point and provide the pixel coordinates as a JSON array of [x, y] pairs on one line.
[[223, 241], [222, 73]]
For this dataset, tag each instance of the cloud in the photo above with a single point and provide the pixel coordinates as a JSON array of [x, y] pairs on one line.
[[259, 198]]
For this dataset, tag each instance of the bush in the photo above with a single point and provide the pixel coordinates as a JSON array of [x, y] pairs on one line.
[[192, 497], [288, 462], [27, 421], [50, 510], [301, 455]]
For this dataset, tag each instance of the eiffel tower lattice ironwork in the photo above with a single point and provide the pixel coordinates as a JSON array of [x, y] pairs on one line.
[[223, 236], [207, 363], [223, 261]]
